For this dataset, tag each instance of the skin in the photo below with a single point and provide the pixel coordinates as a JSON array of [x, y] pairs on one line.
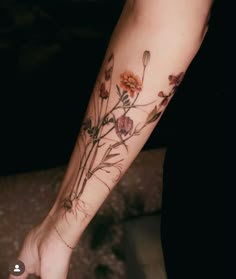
[[156, 40]]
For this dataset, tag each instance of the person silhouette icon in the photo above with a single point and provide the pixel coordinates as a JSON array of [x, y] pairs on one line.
[[17, 268]]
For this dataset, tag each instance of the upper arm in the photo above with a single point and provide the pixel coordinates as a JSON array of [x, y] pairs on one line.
[[180, 18]]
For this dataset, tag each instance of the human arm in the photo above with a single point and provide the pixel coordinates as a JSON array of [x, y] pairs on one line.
[[151, 48]]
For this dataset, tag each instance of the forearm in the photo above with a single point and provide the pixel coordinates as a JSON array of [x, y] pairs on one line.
[[143, 66]]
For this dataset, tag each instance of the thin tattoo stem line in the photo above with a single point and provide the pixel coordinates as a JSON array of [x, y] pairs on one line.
[[97, 168], [123, 114], [97, 141], [137, 106], [101, 125], [114, 107], [111, 139], [144, 69], [127, 109], [78, 181], [82, 160], [102, 182], [128, 91]]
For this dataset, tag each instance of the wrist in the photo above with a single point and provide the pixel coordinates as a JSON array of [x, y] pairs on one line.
[[69, 222]]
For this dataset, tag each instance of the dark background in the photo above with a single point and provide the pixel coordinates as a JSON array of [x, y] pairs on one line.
[[50, 55]]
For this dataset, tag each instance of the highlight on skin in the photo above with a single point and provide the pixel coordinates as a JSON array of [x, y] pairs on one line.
[[97, 129]]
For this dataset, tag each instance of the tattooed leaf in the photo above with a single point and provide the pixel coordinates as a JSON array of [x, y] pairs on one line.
[[111, 156], [153, 115], [87, 124], [125, 97], [164, 102], [93, 132], [110, 57], [108, 73], [176, 80], [118, 90], [125, 100], [107, 120], [136, 131], [106, 153], [104, 122], [107, 165], [156, 116]]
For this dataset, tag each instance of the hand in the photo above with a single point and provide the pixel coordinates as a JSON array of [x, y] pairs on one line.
[[44, 254]]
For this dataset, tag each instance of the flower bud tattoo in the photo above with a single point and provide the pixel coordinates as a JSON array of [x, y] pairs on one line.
[[108, 131]]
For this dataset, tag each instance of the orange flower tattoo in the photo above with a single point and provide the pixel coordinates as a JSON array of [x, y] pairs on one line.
[[130, 82]]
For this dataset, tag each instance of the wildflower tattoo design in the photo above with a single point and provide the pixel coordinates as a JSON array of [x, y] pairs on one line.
[[96, 129]]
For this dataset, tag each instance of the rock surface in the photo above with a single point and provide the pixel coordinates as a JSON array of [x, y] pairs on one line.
[[26, 198]]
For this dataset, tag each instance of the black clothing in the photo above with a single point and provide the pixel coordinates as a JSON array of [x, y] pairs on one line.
[[193, 209]]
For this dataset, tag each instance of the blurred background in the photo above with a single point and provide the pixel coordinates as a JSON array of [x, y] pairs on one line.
[[50, 53]]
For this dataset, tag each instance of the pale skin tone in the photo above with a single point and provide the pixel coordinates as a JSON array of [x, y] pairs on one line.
[[156, 40]]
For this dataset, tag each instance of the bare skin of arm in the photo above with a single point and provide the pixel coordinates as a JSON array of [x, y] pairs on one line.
[[150, 50]]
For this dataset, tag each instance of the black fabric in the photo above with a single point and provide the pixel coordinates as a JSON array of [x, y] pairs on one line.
[[193, 227]]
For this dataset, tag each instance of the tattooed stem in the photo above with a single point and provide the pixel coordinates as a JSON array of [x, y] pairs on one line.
[[144, 69], [81, 163], [114, 107], [99, 128], [131, 105], [135, 133], [88, 175], [77, 183], [99, 154], [99, 167], [82, 188], [123, 114], [137, 106]]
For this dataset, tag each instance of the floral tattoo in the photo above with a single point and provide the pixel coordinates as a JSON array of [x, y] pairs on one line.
[[95, 131]]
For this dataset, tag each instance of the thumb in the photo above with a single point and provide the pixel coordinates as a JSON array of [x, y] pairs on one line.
[[23, 266]]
